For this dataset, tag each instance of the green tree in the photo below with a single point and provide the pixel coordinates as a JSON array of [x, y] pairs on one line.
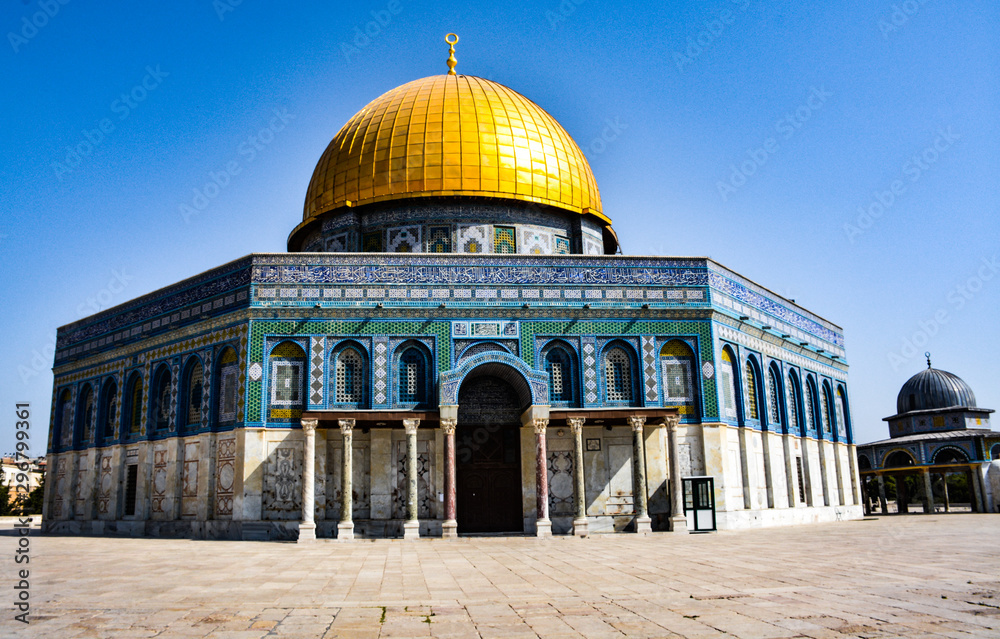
[[6, 508], [33, 504]]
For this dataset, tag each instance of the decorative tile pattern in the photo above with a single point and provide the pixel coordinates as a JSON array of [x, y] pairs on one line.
[[560, 470], [380, 398], [372, 242], [504, 240], [317, 347], [649, 369], [426, 505], [105, 485], [337, 243], [189, 481], [562, 246], [474, 238], [534, 241], [589, 370], [439, 239], [158, 490], [405, 239], [225, 476]]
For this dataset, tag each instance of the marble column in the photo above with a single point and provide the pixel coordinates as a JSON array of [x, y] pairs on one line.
[[977, 489], [307, 527], [643, 524], [882, 501], [345, 528], [678, 521], [944, 487], [449, 529], [411, 527], [580, 525], [928, 491], [902, 499], [543, 525]]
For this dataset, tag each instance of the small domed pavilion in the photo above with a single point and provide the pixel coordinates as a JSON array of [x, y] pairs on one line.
[[939, 437]]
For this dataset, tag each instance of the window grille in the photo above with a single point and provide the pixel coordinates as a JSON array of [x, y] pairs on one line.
[[411, 373], [773, 400], [810, 408], [135, 407], [348, 377], [825, 411], [195, 392], [227, 393], [560, 384], [802, 483], [751, 391], [793, 407], [618, 376], [728, 387]]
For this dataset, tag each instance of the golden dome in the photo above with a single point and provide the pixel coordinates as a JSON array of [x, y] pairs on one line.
[[450, 135]]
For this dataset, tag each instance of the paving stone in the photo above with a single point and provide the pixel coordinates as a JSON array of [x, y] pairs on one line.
[[920, 576]]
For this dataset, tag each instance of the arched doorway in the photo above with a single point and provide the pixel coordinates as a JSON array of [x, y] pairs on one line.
[[488, 456]]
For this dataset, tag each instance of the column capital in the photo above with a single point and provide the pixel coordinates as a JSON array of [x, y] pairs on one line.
[[539, 425], [448, 425], [309, 425], [411, 425], [636, 422], [672, 421], [346, 425], [576, 424]]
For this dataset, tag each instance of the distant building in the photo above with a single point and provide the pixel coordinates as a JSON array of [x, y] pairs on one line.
[[451, 345], [12, 469], [938, 435]]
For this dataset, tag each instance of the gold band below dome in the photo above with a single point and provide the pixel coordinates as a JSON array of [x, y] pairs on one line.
[[453, 135]]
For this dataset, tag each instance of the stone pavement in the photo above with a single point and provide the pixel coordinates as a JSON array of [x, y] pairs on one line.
[[913, 576]]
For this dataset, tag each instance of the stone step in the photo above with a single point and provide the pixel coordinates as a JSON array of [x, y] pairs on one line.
[[256, 532]]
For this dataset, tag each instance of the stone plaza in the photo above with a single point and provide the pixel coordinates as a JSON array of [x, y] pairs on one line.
[[918, 576]]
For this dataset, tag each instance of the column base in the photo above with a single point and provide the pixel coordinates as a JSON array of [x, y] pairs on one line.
[[345, 531], [449, 529], [307, 533], [678, 524], [411, 530], [643, 525], [580, 527], [543, 528]]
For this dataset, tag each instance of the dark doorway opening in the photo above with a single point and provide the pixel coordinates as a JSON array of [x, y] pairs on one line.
[[488, 457]]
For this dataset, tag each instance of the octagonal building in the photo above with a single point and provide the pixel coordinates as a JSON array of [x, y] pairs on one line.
[[451, 345]]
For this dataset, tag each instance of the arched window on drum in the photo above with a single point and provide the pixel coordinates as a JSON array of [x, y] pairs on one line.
[[192, 395], [108, 413], [160, 399], [64, 419], [412, 386], [562, 373], [619, 386], [228, 375], [349, 376], [774, 413], [727, 381], [87, 415], [677, 367], [133, 407]]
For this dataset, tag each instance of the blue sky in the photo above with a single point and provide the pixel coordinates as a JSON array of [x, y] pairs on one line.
[[844, 156]]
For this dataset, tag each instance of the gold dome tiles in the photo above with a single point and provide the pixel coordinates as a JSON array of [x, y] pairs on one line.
[[452, 135]]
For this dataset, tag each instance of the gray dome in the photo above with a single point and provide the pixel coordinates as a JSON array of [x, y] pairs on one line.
[[932, 388]]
